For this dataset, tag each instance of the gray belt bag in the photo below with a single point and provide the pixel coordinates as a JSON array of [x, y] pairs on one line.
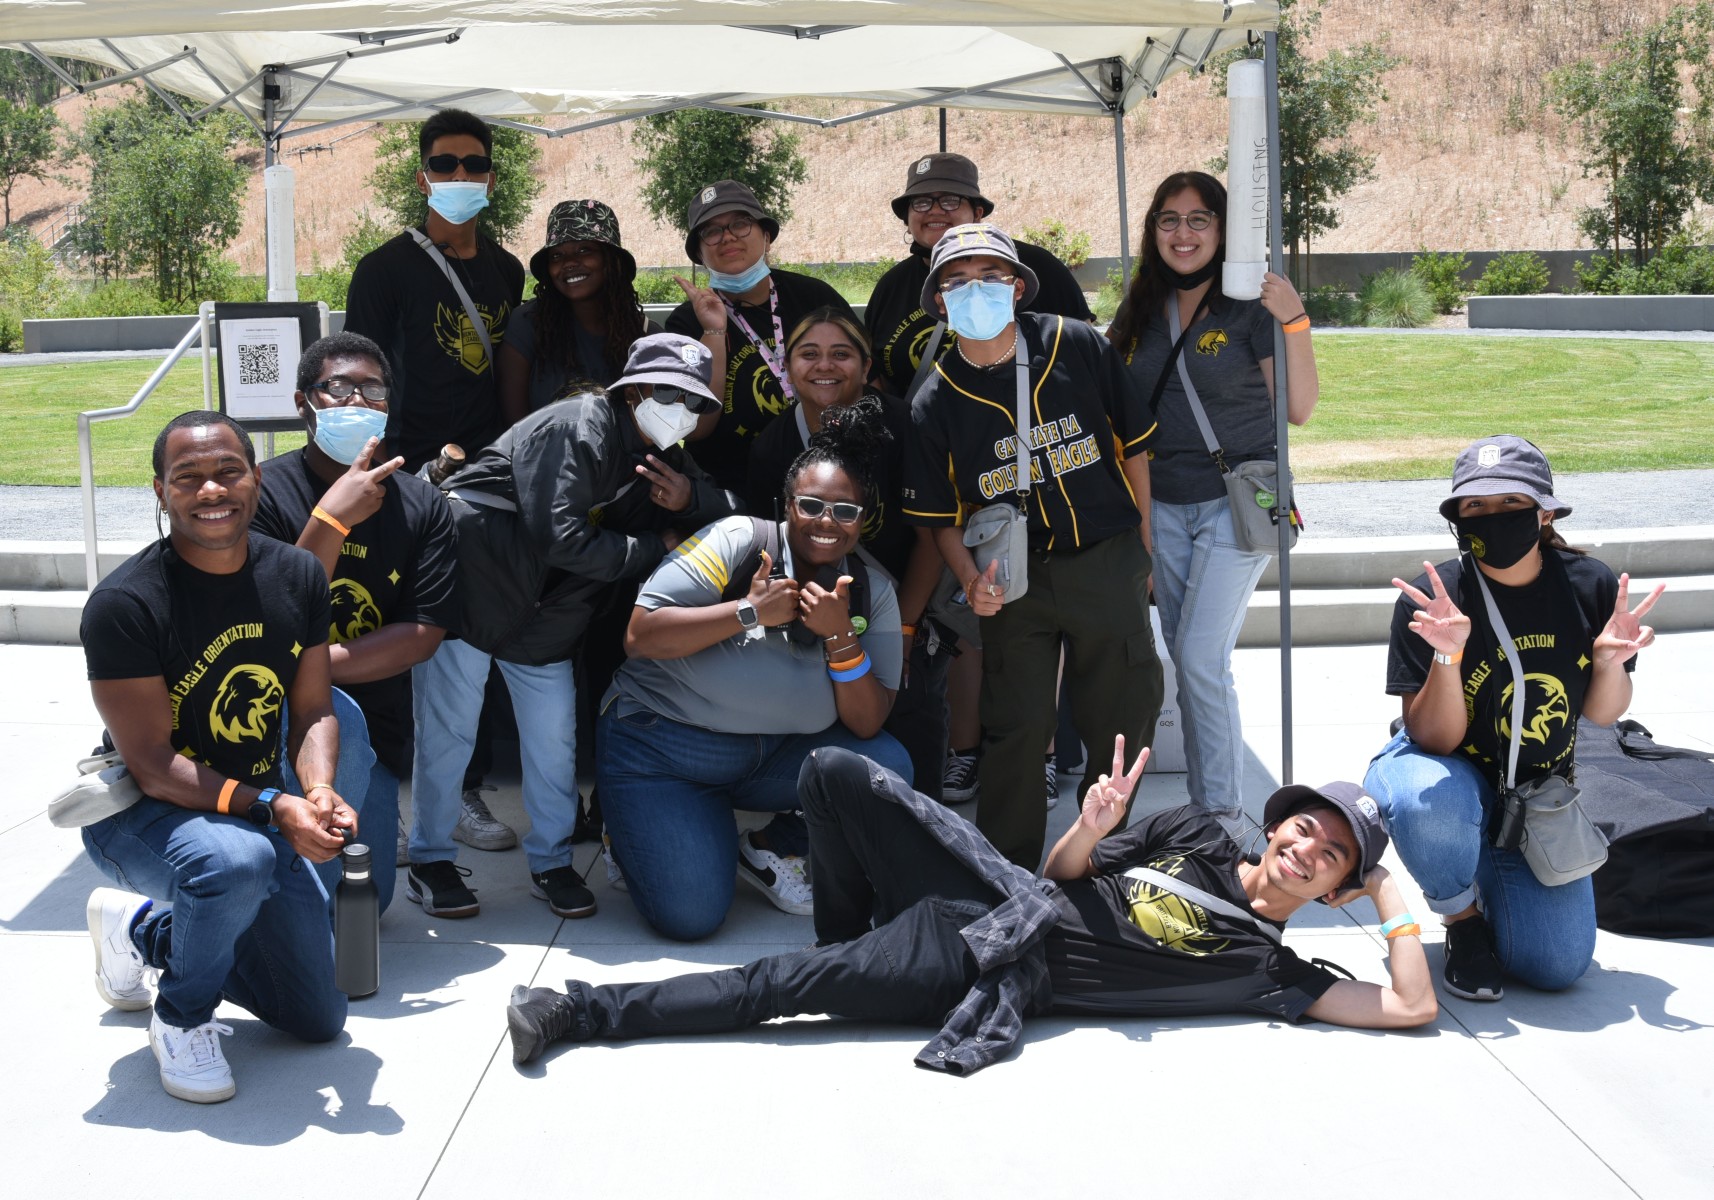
[[1000, 532]]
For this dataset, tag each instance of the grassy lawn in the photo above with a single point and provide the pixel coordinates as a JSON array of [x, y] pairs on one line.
[[1391, 408]]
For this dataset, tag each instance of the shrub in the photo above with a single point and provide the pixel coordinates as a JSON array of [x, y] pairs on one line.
[[1330, 305], [11, 333], [119, 298], [1107, 300], [1395, 299], [1442, 275], [656, 286], [1600, 277], [1070, 246], [1521, 274]]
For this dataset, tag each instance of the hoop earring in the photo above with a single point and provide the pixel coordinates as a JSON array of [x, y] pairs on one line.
[[159, 513]]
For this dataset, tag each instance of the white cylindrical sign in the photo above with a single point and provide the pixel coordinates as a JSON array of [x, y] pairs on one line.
[[278, 204], [1246, 181]]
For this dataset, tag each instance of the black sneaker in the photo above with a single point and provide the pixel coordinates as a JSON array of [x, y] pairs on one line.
[[537, 1017], [439, 888], [1472, 967], [564, 890]]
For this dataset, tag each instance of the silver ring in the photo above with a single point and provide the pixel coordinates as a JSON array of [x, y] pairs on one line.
[[992, 590]]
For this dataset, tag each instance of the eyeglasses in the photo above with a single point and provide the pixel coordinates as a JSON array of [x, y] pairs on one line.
[[952, 285], [446, 164], [1197, 218], [810, 508], [738, 227], [945, 203], [341, 388]]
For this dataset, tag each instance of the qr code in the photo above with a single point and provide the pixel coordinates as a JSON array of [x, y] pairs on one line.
[[259, 363]]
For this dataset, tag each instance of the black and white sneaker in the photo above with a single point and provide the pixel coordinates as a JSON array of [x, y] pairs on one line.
[[958, 780], [1051, 770], [439, 888], [1472, 969], [564, 890]]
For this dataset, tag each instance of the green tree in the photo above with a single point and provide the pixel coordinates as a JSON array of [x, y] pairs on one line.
[[164, 196], [686, 150], [24, 79], [1654, 155], [26, 146], [516, 156], [1321, 100]]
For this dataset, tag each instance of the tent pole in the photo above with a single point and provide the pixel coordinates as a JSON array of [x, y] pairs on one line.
[[1124, 210], [1271, 65], [943, 131]]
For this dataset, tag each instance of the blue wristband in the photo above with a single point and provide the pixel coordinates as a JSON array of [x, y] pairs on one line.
[[1401, 919], [856, 672]]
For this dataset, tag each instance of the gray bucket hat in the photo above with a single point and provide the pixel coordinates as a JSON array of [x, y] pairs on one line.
[[949, 173], [716, 200], [967, 241], [582, 221], [1498, 465], [672, 360], [1359, 808]]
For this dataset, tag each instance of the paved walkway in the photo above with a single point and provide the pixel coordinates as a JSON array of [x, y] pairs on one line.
[[1598, 1092]]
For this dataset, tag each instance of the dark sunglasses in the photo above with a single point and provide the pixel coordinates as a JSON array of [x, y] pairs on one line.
[[810, 508], [446, 164], [344, 389]]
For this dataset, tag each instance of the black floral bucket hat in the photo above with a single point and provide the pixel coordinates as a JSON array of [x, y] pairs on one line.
[[582, 221]]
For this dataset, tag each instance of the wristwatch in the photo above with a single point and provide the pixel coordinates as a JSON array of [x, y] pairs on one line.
[[750, 619], [261, 811]]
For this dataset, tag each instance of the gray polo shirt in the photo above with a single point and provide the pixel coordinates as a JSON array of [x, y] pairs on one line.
[[739, 685]]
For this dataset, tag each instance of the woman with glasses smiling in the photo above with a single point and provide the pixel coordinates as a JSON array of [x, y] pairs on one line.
[[1203, 580], [742, 317], [742, 661]]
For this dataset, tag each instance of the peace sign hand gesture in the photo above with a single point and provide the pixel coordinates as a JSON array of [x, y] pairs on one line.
[[1105, 803], [1437, 619], [1623, 635], [706, 303], [357, 495]]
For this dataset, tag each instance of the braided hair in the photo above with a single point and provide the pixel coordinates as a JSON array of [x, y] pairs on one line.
[[851, 438], [556, 331]]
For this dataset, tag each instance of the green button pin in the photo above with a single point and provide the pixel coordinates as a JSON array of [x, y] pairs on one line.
[[1264, 499], [860, 625]]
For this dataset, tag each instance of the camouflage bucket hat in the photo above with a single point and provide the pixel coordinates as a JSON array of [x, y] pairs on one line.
[[582, 221]]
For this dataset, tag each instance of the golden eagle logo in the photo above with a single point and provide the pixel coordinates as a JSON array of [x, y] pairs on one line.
[[1212, 342], [919, 343], [1171, 920], [355, 612], [248, 696], [771, 401], [1554, 710], [458, 337]]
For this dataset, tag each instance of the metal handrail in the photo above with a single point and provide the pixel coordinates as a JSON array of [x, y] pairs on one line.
[[86, 447]]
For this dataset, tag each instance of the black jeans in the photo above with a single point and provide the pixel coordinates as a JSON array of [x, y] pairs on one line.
[[872, 862], [919, 718]]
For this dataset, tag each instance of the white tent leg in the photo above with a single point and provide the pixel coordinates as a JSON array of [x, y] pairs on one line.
[[1271, 61], [1124, 209]]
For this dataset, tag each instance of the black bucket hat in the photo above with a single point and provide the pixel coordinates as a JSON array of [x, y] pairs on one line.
[[672, 360], [1358, 807], [716, 200], [582, 221], [942, 173], [1499, 465]]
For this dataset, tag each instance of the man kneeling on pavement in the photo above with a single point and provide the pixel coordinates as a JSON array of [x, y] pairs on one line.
[[919, 920], [198, 647]]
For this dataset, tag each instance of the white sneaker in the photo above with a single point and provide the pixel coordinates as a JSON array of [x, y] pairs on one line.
[[118, 967], [781, 878], [615, 877], [479, 828], [192, 1066]]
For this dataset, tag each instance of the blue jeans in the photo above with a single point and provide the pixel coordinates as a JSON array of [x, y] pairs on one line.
[[446, 702], [237, 915], [1203, 583], [668, 791], [1437, 811], [369, 788]]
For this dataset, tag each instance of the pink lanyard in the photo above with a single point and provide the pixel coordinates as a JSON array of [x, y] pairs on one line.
[[776, 365]]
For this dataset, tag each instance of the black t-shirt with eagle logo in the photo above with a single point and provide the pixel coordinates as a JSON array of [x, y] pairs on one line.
[[443, 383], [228, 646], [752, 396], [1554, 620], [397, 566], [1126, 946]]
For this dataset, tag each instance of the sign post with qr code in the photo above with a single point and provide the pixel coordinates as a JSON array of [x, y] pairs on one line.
[[259, 347]]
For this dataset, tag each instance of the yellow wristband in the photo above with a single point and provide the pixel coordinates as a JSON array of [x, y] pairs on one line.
[[321, 514], [1297, 326], [224, 804]]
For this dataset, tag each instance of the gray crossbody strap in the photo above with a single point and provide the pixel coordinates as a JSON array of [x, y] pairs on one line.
[[1023, 422], [1189, 891], [927, 363], [1196, 409], [476, 321], [1498, 623]]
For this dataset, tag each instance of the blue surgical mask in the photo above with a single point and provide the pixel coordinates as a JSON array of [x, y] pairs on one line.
[[720, 281], [343, 432], [458, 200], [978, 310]]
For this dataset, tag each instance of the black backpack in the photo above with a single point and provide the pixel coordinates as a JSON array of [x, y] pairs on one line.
[[1655, 804], [765, 535]]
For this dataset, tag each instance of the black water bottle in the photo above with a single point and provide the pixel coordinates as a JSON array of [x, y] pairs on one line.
[[356, 926]]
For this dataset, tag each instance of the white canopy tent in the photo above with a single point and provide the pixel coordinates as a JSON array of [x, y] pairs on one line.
[[297, 67]]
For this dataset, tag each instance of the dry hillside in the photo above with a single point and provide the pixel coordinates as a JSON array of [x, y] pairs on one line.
[[1468, 155]]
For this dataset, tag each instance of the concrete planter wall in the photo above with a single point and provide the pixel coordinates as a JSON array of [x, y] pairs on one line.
[[1673, 313]]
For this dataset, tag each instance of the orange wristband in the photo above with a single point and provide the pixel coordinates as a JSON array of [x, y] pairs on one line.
[[321, 514], [224, 804], [1411, 930], [1297, 326], [908, 630]]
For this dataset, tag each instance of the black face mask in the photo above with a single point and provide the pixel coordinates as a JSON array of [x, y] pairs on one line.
[[1196, 278], [1499, 540]]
